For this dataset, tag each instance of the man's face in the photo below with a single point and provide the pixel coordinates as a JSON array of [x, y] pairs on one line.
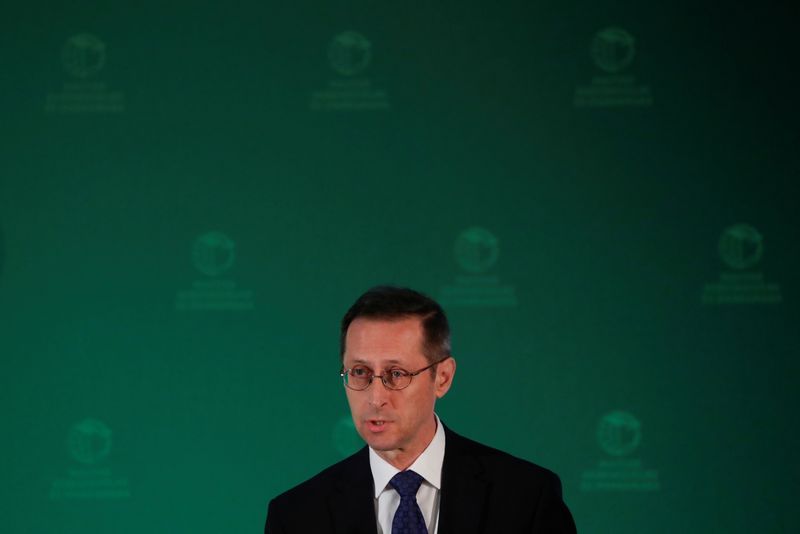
[[397, 424]]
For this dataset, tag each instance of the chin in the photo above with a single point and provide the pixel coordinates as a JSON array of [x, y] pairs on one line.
[[381, 443]]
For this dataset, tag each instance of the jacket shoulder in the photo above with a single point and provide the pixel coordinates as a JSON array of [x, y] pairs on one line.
[[512, 494], [325, 481], [312, 506], [497, 464]]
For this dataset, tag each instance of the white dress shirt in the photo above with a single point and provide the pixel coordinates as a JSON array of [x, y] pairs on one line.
[[428, 465]]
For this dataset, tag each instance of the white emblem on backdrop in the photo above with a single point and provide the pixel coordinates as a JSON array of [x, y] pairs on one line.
[[351, 89], [213, 256], [90, 477], [613, 50], [476, 251], [619, 436], [741, 248], [84, 56]]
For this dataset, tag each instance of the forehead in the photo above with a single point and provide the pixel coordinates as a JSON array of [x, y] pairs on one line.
[[384, 341]]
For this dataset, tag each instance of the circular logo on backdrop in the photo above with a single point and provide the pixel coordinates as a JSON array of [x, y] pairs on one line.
[[476, 250], [349, 53], [213, 253], [741, 246], [89, 441], [346, 440], [83, 55], [619, 433], [613, 49]]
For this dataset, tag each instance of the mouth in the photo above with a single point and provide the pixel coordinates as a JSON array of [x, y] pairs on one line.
[[377, 425]]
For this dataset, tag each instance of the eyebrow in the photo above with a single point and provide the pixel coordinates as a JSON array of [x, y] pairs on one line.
[[365, 362]]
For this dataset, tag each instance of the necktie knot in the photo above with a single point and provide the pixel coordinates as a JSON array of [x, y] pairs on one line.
[[406, 483], [408, 518]]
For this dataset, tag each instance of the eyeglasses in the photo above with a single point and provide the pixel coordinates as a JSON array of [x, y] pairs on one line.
[[360, 377]]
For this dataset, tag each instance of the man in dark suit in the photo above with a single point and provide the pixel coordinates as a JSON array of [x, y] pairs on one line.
[[415, 476]]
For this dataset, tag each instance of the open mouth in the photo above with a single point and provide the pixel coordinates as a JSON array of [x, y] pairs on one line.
[[377, 425]]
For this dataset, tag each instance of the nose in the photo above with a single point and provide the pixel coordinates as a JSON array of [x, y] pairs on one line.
[[378, 394]]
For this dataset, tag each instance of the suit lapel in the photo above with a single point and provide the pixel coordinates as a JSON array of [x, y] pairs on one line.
[[352, 500], [463, 494], [464, 489]]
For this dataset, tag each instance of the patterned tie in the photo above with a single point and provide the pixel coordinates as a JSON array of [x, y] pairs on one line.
[[408, 517]]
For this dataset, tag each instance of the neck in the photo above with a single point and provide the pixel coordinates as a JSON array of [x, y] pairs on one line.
[[403, 457]]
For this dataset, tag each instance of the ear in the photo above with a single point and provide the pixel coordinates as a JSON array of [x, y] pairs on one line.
[[445, 372]]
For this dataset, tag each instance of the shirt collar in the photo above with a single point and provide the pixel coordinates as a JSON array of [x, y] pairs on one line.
[[428, 464]]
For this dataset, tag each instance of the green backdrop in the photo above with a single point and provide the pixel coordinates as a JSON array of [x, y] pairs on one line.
[[601, 194]]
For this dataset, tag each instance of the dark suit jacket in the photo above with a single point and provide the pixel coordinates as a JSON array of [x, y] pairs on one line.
[[483, 491]]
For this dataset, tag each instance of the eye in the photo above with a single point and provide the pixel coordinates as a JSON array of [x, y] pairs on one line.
[[397, 373], [360, 371]]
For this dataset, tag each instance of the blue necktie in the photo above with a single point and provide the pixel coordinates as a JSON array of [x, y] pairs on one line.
[[408, 517]]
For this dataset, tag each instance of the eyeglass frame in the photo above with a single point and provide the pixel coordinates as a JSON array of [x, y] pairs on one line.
[[373, 376]]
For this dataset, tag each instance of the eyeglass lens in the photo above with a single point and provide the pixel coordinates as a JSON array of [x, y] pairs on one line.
[[359, 377]]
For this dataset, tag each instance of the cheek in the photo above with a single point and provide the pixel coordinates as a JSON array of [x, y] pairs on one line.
[[422, 405]]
